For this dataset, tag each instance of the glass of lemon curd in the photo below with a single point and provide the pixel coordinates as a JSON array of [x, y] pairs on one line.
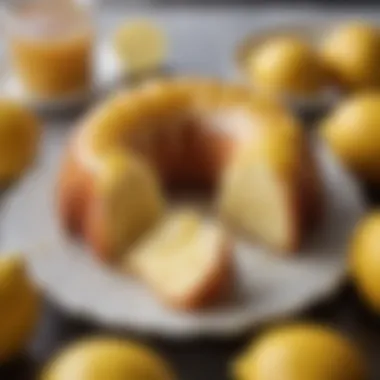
[[51, 45]]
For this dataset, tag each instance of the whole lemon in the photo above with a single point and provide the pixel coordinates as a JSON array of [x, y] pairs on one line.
[[300, 352], [19, 305], [19, 138], [365, 259], [286, 66], [107, 358], [352, 131], [352, 53]]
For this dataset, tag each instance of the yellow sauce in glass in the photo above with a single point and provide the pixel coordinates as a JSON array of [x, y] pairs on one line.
[[51, 48]]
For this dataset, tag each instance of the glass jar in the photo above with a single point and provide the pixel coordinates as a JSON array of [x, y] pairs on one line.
[[51, 44]]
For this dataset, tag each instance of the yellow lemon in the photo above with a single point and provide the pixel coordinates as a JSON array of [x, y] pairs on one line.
[[352, 53], [107, 358], [299, 352], [365, 259], [141, 46], [19, 305], [286, 66], [19, 138], [352, 131]]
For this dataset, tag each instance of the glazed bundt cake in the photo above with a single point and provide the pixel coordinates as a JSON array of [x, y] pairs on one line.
[[187, 131]]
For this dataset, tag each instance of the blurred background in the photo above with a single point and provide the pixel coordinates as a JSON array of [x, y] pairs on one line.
[[203, 36], [236, 3]]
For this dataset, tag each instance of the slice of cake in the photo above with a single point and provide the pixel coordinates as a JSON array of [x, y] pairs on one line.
[[186, 260], [271, 191]]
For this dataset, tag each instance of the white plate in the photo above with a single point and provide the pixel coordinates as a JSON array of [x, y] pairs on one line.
[[106, 72], [267, 287]]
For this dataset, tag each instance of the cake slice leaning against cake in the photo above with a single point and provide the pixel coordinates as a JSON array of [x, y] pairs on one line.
[[271, 190], [185, 260]]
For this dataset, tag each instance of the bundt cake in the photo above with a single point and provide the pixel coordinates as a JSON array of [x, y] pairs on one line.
[[187, 131], [186, 260]]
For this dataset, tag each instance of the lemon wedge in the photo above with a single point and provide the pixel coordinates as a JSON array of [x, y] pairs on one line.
[[141, 46]]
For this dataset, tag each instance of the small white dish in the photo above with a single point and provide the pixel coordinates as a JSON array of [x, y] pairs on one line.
[[107, 71], [268, 287]]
